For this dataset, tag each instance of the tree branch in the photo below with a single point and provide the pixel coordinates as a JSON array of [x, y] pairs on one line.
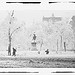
[[15, 30]]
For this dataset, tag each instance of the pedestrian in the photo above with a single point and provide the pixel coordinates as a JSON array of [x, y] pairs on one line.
[[47, 51], [14, 52]]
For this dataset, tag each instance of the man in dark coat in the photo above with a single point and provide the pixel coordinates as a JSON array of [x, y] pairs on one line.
[[47, 51], [14, 52]]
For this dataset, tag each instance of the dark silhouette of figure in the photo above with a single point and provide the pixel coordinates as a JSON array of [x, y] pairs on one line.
[[47, 51], [34, 37], [14, 52]]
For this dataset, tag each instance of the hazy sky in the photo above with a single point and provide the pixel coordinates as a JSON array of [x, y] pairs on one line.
[[30, 16]]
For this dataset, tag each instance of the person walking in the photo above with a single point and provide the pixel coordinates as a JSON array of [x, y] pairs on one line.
[[47, 51], [14, 52]]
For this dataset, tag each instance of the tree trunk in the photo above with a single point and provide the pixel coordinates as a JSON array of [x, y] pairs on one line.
[[9, 46], [9, 49], [65, 46], [61, 42], [40, 46], [57, 45]]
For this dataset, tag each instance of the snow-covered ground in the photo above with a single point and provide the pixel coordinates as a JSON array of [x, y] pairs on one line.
[[32, 59], [21, 62], [51, 54], [42, 54]]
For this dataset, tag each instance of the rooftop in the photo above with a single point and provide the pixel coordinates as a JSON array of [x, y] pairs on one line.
[[53, 18]]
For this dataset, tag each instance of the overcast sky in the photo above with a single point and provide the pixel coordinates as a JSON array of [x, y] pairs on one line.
[[30, 16]]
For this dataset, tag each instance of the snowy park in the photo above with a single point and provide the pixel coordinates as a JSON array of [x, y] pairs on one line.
[[37, 39]]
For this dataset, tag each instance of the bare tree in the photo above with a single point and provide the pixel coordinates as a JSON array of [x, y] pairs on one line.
[[11, 33]]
